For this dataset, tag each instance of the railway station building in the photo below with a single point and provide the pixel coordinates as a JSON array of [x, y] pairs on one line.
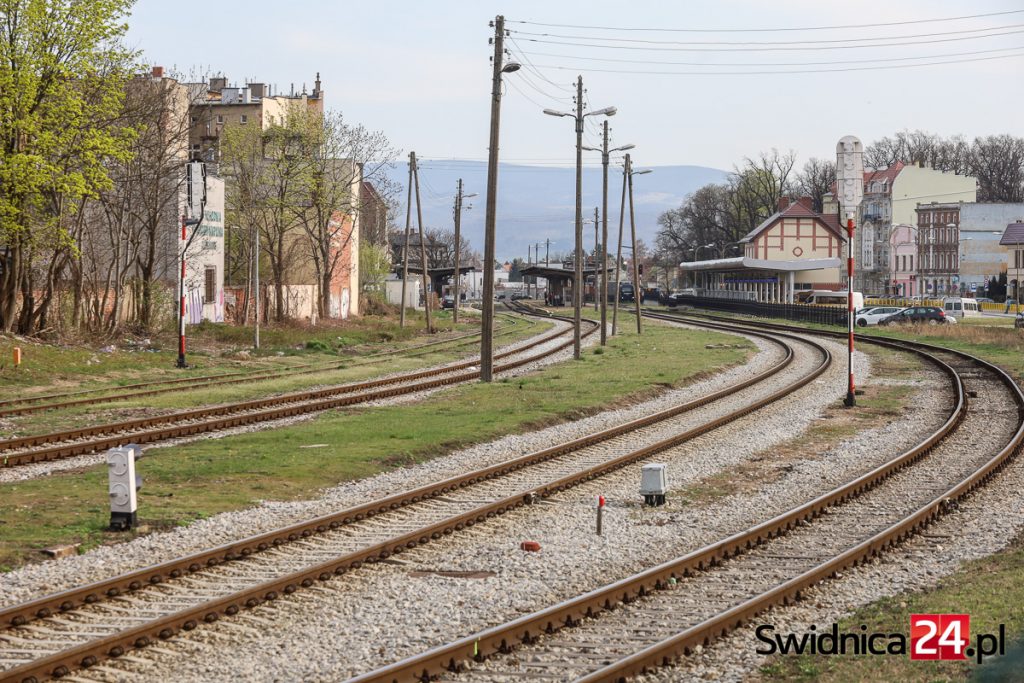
[[794, 249]]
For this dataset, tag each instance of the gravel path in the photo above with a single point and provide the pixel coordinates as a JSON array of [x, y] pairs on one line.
[[42, 469], [437, 608]]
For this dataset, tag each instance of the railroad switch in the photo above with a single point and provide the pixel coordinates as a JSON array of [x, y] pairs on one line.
[[653, 483], [123, 486]]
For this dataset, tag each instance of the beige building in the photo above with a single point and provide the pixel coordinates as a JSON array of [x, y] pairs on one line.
[[217, 105], [795, 249]]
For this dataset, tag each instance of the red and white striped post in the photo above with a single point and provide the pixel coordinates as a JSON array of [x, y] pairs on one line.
[[850, 397], [850, 192], [181, 308]]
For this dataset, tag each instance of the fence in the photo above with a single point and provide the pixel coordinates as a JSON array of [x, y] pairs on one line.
[[825, 315]]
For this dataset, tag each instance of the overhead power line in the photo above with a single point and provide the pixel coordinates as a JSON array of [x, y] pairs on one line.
[[763, 64], [773, 47], [767, 30], [585, 68]]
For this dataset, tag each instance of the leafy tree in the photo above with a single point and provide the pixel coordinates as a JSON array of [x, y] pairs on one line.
[[62, 76]]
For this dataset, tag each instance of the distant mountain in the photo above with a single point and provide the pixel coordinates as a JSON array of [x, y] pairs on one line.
[[536, 203]]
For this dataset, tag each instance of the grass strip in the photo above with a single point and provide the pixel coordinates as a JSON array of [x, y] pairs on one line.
[[214, 475]]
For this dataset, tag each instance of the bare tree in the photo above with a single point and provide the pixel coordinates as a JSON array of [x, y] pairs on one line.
[[816, 179]]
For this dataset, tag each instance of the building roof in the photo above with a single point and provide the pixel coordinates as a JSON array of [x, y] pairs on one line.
[[555, 272], [1014, 234], [888, 174], [797, 210], [761, 264]]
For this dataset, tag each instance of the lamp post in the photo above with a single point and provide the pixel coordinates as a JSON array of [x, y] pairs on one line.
[[725, 247], [605, 154], [487, 308], [577, 285], [696, 252]]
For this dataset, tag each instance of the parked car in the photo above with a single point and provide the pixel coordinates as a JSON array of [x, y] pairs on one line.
[[517, 296], [448, 301], [931, 315], [874, 314], [501, 296], [627, 294], [984, 300], [652, 294]]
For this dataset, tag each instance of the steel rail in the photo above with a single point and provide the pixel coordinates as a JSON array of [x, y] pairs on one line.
[[500, 639], [19, 615], [31, 404], [265, 407], [88, 654]]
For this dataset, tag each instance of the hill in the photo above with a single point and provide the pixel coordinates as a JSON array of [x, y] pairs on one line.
[[536, 203]]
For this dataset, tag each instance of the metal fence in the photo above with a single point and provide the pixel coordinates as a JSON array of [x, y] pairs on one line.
[[825, 315]]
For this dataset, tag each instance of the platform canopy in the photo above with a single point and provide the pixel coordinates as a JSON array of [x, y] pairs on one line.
[[742, 262], [558, 272]]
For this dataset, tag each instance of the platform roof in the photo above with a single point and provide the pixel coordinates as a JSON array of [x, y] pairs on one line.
[[556, 272], [744, 263]]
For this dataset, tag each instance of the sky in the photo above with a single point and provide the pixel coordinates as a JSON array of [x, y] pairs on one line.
[[420, 72]]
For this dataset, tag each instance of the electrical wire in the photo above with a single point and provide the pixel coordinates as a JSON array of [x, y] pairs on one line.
[[766, 30], [769, 73], [912, 36], [734, 64], [788, 48]]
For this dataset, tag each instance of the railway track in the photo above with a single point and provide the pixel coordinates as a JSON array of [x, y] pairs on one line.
[[68, 443], [56, 634], [36, 404], [646, 621]]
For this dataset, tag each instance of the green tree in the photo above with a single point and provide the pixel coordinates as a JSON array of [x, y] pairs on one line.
[[62, 76]]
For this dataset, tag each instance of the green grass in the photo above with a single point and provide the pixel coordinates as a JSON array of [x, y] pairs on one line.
[[212, 348], [991, 590], [211, 476], [346, 370]]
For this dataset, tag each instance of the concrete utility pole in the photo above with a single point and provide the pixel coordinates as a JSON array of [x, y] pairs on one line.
[[405, 249], [536, 259], [636, 259], [618, 253], [423, 244], [577, 285], [457, 276], [458, 236], [597, 256], [605, 153], [487, 324], [256, 289], [850, 188], [547, 252]]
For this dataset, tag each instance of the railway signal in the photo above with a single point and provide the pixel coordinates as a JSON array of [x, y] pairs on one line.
[[850, 186]]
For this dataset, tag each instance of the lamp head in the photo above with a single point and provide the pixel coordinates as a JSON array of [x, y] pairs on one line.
[[623, 148], [646, 170], [555, 112], [607, 111], [511, 67]]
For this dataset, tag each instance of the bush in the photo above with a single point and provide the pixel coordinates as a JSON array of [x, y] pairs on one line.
[[319, 345]]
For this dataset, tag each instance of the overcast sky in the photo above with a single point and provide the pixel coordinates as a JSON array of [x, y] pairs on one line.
[[419, 71]]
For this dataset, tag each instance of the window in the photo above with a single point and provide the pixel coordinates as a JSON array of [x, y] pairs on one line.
[[911, 262], [220, 118], [243, 119], [210, 289], [195, 119]]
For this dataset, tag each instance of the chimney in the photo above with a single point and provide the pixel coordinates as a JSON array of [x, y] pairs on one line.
[[218, 83], [258, 90], [783, 203], [806, 202], [158, 72]]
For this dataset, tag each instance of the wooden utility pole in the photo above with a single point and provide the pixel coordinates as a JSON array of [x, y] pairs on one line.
[[604, 234], [405, 249], [423, 243], [618, 253], [458, 239], [487, 322], [636, 259]]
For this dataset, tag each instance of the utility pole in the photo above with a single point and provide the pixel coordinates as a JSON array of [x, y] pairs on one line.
[[618, 253], [547, 252], [604, 235], [850, 188], [487, 323], [458, 237], [636, 259], [597, 257], [423, 244], [577, 285], [256, 289], [526, 281], [536, 258], [408, 227]]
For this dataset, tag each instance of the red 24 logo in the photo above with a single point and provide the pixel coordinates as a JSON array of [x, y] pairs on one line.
[[939, 636]]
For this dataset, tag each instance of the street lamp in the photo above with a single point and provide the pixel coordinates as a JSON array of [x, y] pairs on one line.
[[577, 285], [725, 247], [457, 276], [603, 288], [487, 310]]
